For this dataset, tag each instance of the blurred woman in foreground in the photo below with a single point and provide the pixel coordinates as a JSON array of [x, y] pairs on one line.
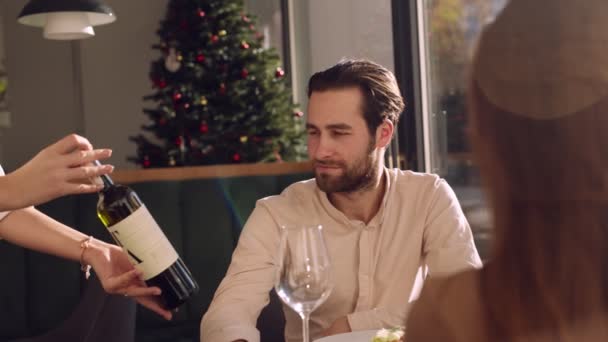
[[539, 119]]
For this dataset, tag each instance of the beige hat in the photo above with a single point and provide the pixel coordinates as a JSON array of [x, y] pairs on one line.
[[545, 58]]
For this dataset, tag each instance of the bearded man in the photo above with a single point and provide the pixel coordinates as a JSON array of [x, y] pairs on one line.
[[386, 230]]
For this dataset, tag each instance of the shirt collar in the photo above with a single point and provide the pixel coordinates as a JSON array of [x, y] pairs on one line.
[[337, 215]]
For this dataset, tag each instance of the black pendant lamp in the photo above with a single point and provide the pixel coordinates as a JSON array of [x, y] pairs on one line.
[[66, 19]]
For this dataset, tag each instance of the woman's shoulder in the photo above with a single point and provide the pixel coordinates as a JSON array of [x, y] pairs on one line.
[[449, 308]]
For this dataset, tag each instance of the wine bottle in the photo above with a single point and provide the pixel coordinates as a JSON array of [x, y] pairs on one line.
[[135, 230]]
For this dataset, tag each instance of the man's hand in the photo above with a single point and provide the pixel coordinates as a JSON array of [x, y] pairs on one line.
[[118, 276], [60, 169], [339, 326]]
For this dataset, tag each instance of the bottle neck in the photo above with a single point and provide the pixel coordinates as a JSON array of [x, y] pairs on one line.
[[107, 181]]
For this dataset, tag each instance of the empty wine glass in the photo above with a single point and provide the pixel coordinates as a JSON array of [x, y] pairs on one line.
[[304, 276]]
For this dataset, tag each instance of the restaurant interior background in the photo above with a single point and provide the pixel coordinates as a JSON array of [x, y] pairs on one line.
[[94, 87]]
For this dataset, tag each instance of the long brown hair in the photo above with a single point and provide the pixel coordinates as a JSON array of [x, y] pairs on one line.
[[548, 186]]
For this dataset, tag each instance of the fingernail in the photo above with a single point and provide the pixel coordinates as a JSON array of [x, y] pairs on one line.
[[108, 151], [109, 168]]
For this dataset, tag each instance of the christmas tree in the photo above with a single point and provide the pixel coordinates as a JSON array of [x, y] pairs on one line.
[[220, 97]]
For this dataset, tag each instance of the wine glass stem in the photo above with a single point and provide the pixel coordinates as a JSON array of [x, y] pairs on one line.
[[305, 319]]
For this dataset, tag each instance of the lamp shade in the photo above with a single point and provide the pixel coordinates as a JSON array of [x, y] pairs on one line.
[[66, 19]]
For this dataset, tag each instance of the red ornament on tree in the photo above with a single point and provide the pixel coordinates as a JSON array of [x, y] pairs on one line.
[[179, 141], [298, 114], [162, 84], [245, 18], [244, 73], [162, 121], [204, 127], [244, 45], [177, 96], [214, 38], [200, 13], [146, 162], [200, 58], [251, 27], [236, 157], [186, 105], [222, 88], [279, 73]]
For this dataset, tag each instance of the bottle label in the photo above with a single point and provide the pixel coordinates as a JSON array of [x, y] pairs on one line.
[[142, 239]]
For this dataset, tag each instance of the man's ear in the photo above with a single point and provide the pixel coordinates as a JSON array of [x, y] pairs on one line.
[[384, 133]]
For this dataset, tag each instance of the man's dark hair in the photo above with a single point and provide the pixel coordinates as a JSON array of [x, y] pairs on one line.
[[381, 96]]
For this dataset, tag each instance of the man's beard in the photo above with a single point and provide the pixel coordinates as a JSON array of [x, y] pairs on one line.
[[359, 176]]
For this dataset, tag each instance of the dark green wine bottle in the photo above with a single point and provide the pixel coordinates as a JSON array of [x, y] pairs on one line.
[[135, 230]]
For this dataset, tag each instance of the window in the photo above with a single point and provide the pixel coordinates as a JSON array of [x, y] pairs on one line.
[[448, 33]]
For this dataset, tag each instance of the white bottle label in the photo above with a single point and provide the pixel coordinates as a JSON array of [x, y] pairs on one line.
[[142, 239]]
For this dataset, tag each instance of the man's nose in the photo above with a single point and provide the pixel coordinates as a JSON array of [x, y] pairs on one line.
[[324, 149]]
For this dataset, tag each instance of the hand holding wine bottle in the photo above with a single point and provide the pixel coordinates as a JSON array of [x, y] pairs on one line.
[[118, 276], [135, 230], [58, 170]]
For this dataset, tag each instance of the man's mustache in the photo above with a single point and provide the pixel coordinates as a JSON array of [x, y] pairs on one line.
[[328, 163]]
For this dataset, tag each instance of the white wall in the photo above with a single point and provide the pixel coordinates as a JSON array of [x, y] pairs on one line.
[[350, 28], [329, 30]]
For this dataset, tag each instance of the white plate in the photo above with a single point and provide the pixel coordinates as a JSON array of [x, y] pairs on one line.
[[356, 336]]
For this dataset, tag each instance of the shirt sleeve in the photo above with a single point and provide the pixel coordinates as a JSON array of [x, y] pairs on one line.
[[4, 213], [243, 292], [448, 245]]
